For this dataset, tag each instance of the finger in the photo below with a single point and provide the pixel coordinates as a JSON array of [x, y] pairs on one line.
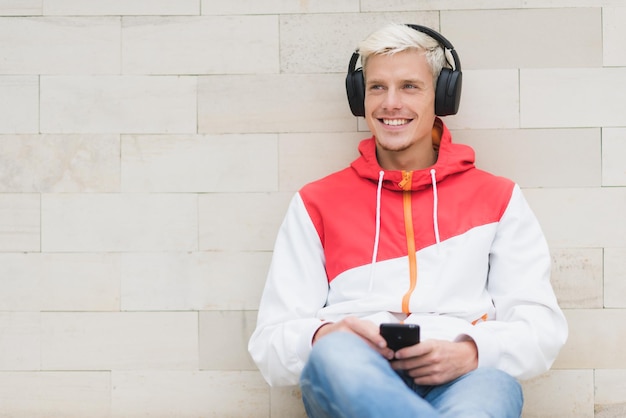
[[412, 363], [417, 350], [367, 330], [385, 352]]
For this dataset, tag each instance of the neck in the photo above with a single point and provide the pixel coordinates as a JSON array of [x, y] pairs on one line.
[[407, 160]]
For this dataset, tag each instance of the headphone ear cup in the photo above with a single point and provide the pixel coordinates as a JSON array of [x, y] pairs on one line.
[[355, 88], [448, 92]]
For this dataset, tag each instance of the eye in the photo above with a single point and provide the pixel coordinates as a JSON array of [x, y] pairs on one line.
[[409, 86]]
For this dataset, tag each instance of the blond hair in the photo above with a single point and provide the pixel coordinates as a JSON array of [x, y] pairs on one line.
[[395, 38]]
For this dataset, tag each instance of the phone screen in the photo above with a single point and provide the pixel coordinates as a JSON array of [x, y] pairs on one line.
[[400, 335]]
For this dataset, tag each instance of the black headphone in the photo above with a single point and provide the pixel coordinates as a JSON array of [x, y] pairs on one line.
[[447, 92]]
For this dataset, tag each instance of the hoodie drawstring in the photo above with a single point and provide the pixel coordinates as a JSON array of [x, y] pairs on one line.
[[381, 175], [435, 205]]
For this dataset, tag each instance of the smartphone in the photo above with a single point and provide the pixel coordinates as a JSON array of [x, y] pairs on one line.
[[400, 335]]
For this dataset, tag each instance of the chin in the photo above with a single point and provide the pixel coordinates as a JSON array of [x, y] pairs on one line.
[[394, 146], [394, 140]]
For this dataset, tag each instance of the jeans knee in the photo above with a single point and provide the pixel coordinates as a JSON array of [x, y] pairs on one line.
[[500, 379], [336, 351], [343, 357], [505, 387], [483, 392], [344, 376]]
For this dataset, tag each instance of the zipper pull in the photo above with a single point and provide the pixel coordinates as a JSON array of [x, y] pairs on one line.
[[405, 184]]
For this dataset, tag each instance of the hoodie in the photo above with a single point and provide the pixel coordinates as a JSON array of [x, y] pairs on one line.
[[452, 248]]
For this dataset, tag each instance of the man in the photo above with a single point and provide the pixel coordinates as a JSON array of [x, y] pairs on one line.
[[411, 232]]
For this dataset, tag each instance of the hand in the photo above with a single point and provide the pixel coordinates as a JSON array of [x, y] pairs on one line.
[[367, 330], [435, 362]]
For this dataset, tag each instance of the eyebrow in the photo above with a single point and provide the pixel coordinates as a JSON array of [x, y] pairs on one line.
[[416, 81]]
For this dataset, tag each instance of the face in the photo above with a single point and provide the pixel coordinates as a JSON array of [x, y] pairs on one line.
[[400, 106]]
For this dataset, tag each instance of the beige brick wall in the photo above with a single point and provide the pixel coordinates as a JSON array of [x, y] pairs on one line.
[[148, 149]]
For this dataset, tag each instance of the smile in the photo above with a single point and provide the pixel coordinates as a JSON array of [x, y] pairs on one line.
[[395, 122]]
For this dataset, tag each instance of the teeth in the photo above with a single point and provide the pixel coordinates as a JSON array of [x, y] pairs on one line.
[[395, 122]]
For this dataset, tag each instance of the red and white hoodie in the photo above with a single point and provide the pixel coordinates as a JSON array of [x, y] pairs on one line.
[[452, 248]]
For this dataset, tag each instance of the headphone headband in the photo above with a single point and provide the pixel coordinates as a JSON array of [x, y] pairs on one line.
[[445, 44], [447, 91]]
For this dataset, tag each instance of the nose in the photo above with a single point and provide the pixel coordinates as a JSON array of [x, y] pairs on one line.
[[392, 99]]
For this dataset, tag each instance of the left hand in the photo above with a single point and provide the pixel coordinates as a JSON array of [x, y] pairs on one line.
[[435, 362]]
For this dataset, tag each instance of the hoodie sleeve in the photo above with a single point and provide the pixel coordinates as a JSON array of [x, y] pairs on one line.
[[530, 328], [295, 290]]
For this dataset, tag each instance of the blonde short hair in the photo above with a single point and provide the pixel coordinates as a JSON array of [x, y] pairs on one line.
[[395, 38]]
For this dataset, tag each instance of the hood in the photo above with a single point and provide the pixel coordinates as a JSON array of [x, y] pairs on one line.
[[452, 159]]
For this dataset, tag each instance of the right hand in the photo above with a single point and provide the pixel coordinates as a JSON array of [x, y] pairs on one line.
[[367, 330]]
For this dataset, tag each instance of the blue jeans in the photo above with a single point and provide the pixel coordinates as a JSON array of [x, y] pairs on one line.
[[344, 378]]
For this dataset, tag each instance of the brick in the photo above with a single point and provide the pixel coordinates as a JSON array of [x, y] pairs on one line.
[[208, 163], [406, 5], [489, 100], [547, 101], [254, 7], [118, 104], [559, 393], [21, 7], [121, 7], [193, 281], [190, 394], [577, 277], [60, 45], [613, 150], [20, 342], [610, 401], [491, 39], [309, 156], [610, 411], [322, 43], [60, 282], [577, 217], [270, 103], [533, 4], [615, 277], [119, 341], [20, 104], [54, 394], [116, 222], [593, 342], [614, 34], [511, 152], [287, 402], [244, 222], [20, 225], [244, 45], [224, 339], [60, 163]]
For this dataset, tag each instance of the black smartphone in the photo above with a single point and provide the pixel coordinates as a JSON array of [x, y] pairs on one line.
[[400, 335]]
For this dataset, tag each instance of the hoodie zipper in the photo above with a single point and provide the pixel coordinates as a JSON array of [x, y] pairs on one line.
[[405, 184]]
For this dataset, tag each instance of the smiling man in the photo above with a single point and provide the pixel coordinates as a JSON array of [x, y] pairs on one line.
[[400, 109], [411, 233]]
